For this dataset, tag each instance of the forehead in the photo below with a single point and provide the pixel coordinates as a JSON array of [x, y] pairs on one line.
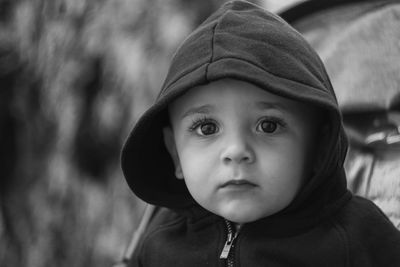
[[232, 93]]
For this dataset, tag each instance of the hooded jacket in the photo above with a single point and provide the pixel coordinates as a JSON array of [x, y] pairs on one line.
[[323, 226]]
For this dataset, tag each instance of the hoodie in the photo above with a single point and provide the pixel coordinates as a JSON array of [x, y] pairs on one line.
[[323, 226]]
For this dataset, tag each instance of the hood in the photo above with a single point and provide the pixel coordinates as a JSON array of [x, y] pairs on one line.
[[245, 42]]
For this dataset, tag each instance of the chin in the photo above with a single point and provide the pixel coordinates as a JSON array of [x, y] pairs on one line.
[[242, 217], [246, 214]]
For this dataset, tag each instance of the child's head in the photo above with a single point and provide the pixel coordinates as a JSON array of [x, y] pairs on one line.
[[242, 151], [236, 125]]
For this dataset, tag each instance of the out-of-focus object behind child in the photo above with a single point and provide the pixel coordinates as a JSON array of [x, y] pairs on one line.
[[359, 42]]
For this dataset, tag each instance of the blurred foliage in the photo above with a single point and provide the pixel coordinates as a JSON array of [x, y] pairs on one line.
[[74, 77]]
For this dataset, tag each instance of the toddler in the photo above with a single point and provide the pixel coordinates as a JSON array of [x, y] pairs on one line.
[[244, 150]]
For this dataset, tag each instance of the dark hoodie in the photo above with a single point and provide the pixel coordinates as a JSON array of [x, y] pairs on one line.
[[323, 226]]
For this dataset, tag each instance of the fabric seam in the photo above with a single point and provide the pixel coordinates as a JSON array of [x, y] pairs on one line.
[[252, 63], [344, 236], [222, 58], [212, 50]]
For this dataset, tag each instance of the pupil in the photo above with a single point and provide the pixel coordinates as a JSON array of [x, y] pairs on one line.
[[268, 126], [208, 128]]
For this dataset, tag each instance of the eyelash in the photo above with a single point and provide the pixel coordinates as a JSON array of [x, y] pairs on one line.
[[200, 121], [196, 122], [280, 122]]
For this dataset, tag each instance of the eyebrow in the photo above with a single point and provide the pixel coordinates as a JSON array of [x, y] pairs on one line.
[[270, 105], [207, 109], [204, 109]]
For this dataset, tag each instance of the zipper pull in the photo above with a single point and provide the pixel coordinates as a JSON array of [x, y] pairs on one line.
[[232, 234], [227, 247]]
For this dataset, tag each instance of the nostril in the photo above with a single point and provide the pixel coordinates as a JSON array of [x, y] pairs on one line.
[[237, 151], [239, 159]]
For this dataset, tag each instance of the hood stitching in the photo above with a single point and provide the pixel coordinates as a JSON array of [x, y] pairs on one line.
[[343, 235], [273, 74], [243, 60], [212, 49]]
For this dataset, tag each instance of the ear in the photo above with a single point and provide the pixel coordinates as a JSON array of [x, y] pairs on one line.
[[169, 142]]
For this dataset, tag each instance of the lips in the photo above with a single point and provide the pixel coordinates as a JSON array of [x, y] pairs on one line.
[[238, 183]]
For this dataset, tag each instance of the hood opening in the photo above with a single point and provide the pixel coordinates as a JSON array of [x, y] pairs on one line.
[[216, 51]]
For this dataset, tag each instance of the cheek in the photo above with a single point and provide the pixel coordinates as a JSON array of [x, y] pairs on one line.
[[197, 164], [199, 177], [285, 165]]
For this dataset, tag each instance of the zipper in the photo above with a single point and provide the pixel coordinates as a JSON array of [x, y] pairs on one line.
[[228, 252]]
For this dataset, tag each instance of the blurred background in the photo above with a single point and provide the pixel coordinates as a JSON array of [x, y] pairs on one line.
[[76, 74]]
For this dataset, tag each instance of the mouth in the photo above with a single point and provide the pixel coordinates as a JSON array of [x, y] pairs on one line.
[[240, 183]]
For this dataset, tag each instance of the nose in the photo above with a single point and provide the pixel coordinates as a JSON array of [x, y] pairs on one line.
[[237, 149]]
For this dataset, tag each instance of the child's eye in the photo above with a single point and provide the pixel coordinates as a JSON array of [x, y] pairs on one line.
[[207, 129], [204, 127], [269, 125]]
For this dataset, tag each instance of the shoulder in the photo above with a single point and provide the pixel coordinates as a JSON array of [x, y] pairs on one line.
[[364, 215], [163, 219], [176, 239], [161, 222], [371, 239]]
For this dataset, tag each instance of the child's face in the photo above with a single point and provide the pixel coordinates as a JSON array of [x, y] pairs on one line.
[[243, 152]]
